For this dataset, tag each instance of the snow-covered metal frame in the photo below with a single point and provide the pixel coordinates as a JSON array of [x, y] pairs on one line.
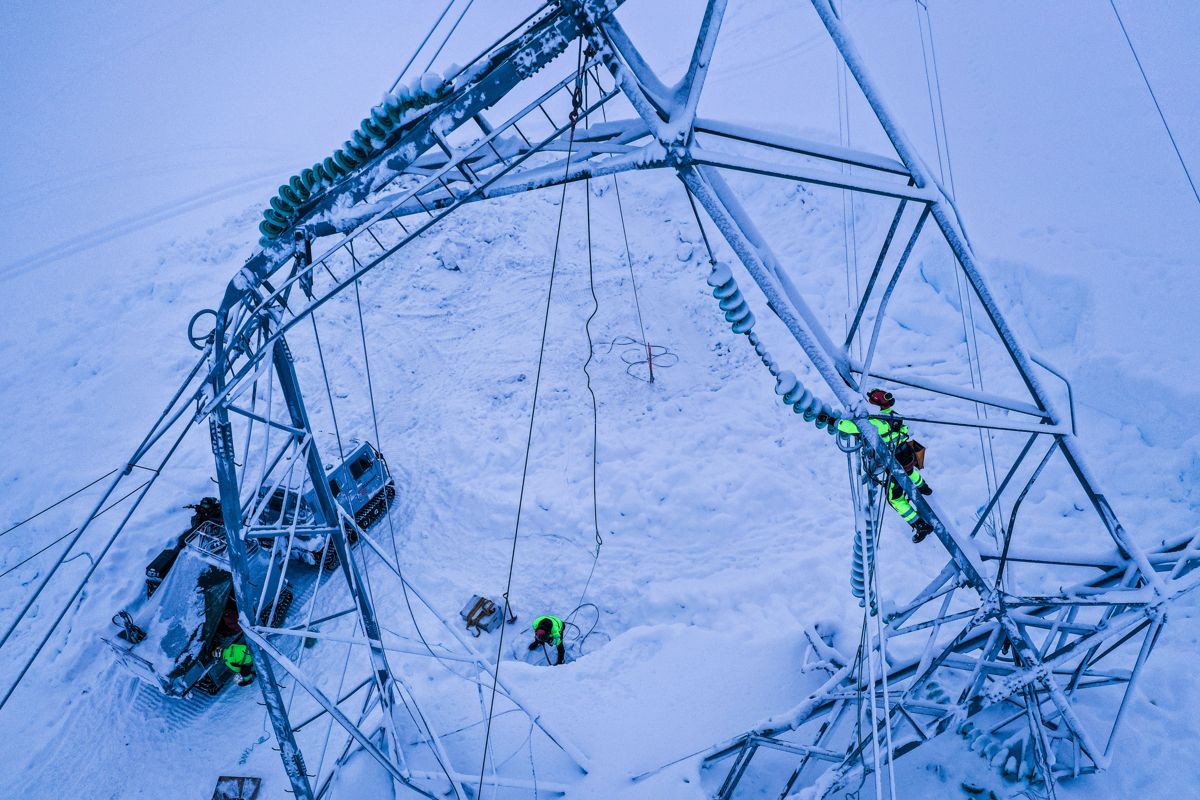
[[1018, 657]]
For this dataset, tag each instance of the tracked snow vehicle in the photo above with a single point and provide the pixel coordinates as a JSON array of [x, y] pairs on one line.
[[168, 637], [363, 487]]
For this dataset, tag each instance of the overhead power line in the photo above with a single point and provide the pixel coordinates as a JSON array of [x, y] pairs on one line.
[[1154, 97]]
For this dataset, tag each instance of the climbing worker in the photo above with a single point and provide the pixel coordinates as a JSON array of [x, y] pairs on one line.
[[240, 662], [548, 630], [894, 433]]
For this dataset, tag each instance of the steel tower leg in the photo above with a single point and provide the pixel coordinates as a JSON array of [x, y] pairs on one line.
[[331, 517], [231, 511]]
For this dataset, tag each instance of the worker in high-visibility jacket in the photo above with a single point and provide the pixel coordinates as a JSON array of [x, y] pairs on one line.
[[548, 630], [240, 661], [894, 433]]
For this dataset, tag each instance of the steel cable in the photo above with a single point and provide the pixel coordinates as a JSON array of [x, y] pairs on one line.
[[532, 417]]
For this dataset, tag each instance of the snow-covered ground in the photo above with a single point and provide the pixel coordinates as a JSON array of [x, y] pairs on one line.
[[725, 520]]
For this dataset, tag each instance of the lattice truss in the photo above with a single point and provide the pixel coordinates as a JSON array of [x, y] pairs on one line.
[[1031, 634]]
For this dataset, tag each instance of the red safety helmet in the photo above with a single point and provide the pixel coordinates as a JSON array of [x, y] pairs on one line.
[[878, 397]]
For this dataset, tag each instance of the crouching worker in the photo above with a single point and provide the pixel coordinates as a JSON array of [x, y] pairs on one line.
[[240, 662], [548, 630]]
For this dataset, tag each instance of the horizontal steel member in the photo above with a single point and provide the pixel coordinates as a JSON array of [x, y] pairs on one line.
[[796, 172], [954, 391], [804, 147]]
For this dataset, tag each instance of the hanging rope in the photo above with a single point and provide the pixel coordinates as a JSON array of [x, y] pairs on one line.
[[587, 329], [652, 351], [966, 302], [849, 222], [577, 102], [873, 571]]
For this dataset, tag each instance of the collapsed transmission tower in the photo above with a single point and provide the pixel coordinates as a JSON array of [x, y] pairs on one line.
[[1033, 639]]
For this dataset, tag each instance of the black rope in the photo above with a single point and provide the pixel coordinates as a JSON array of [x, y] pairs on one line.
[[576, 99], [1154, 97], [712, 259], [68, 533], [62, 500], [587, 329]]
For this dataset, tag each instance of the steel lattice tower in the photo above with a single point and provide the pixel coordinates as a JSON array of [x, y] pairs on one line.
[[1004, 640]]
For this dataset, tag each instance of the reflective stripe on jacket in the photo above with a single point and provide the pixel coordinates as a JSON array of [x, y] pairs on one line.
[[893, 433], [899, 501]]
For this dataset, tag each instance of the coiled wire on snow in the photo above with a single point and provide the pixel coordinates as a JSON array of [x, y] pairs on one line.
[[371, 137]]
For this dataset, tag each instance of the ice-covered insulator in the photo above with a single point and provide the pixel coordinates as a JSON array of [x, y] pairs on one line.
[[290, 196], [381, 117], [725, 289], [344, 160], [309, 179], [355, 148], [281, 206], [363, 141], [803, 401], [864, 548], [299, 188], [323, 175], [333, 168], [372, 129]]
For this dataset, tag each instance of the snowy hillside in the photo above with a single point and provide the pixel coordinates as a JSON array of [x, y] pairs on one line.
[[726, 521]]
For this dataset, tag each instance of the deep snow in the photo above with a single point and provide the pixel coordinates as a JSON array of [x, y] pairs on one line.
[[725, 519]]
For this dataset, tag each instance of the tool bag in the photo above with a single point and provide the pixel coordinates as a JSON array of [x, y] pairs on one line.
[[911, 454], [481, 615], [918, 450]]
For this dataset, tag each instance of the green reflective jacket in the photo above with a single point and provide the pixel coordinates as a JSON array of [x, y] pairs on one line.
[[556, 629], [237, 655], [892, 433]]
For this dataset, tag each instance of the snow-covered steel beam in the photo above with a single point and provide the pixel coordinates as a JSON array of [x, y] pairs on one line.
[[687, 94], [234, 315], [231, 511], [943, 209], [962, 393], [554, 174], [331, 708], [804, 147], [805, 174], [991, 424]]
